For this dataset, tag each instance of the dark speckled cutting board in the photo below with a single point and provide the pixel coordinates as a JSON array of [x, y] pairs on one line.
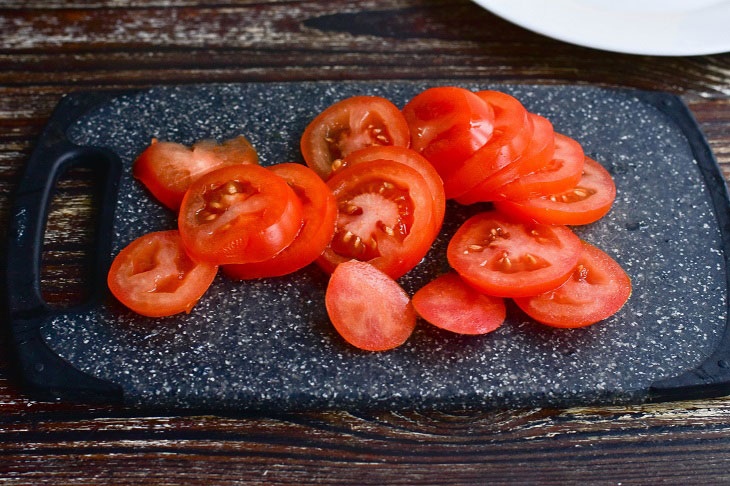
[[268, 344]]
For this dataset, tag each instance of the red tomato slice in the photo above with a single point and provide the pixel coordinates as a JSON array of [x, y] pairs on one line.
[[319, 212], [597, 289], [541, 149], [411, 159], [587, 202], [349, 125], [154, 276], [506, 258], [448, 125], [385, 217], [368, 308], [239, 214], [167, 169], [450, 304]]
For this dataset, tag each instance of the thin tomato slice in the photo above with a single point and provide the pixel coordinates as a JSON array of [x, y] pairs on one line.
[[239, 214], [585, 203], [154, 276], [368, 308], [319, 214], [167, 169], [451, 304], [500, 256], [349, 125], [385, 217], [597, 289]]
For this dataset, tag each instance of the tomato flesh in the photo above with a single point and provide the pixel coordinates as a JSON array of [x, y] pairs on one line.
[[597, 288], [153, 276], [451, 304], [368, 308]]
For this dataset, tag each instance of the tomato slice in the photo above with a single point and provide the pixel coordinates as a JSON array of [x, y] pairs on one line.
[[239, 214], [585, 203], [540, 150], [368, 308], [448, 125], [319, 214], [349, 125], [597, 289], [503, 257], [385, 217], [154, 276], [451, 304], [167, 169], [411, 159]]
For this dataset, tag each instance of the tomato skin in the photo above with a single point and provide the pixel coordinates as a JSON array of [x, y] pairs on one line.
[[349, 125], [368, 308], [264, 217], [503, 257], [451, 304], [167, 169], [586, 203], [596, 290], [319, 213], [154, 277]]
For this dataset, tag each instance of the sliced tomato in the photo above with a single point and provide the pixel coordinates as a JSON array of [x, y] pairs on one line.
[[411, 159], [167, 169], [540, 150], [154, 276], [349, 125], [597, 289], [368, 308], [385, 217], [585, 203], [500, 256], [451, 304], [239, 214], [448, 125], [319, 214]]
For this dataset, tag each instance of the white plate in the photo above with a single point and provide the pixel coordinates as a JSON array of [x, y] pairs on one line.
[[654, 27]]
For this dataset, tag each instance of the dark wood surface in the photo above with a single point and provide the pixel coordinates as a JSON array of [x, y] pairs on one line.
[[51, 47]]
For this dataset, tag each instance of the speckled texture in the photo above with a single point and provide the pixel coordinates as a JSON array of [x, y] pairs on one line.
[[268, 344]]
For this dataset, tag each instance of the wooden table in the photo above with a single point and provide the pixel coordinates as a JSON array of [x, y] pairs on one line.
[[51, 47]]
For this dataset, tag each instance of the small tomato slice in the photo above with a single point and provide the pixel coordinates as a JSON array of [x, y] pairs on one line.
[[368, 308], [587, 202], [597, 289], [239, 214], [319, 214], [349, 125], [500, 256], [385, 217], [451, 304], [153, 276], [167, 169]]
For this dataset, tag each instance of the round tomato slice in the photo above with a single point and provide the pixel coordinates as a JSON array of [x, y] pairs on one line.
[[154, 276], [448, 125], [506, 258], [450, 304], [368, 308], [597, 289], [349, 125], [319, 213], [411, 159], [167, 169], [541, 149], [585, 203], [239, 214], [385, 217]]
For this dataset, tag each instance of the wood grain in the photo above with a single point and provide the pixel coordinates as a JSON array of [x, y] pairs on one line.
[[53, 47]]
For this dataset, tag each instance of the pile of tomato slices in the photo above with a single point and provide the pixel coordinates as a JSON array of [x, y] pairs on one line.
[[367, 208]]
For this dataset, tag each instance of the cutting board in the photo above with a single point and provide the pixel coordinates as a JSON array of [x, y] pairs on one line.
[[268, 345]]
